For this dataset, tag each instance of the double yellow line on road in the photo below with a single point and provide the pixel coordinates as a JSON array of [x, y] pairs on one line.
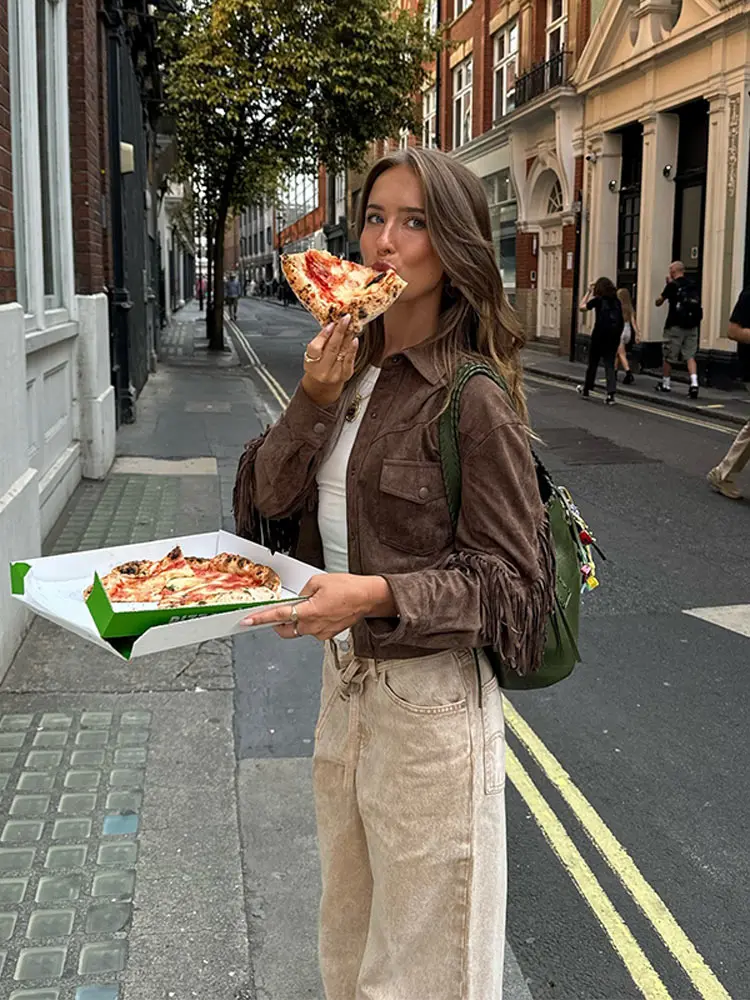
[[647, 899]]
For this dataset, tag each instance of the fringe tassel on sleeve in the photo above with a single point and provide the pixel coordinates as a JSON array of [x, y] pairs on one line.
[[515, 612], [278, 535]]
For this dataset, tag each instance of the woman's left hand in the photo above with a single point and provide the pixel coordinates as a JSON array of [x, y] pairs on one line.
[[336, 601]]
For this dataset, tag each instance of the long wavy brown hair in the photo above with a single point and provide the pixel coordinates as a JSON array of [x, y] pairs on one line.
[[476, 320]]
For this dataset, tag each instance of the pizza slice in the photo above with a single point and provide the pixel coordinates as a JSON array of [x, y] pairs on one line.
[[141, 581], [329, 287], [237, 569], [216, 592]]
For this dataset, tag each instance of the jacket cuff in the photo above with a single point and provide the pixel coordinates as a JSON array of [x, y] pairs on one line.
[[308, 422], [395, 631]]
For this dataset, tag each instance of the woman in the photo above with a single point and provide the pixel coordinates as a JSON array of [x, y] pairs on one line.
[[605, 337], [631, 334], [409, 760]]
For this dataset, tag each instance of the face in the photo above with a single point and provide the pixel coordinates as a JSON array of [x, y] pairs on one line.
[[395, 232]]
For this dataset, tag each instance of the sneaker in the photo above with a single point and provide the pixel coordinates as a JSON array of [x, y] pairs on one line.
[[693, 392], [724, 486], [610, 400], [629, 378], [660, 387], [582, 391]]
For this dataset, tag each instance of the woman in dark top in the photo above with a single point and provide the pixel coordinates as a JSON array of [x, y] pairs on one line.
[[605, 337]]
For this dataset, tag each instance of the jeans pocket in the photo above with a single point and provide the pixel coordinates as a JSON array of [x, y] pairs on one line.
[[493, 726], [428, 685]]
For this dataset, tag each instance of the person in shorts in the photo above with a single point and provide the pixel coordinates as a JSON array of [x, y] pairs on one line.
[[680, 340], [735, 460]]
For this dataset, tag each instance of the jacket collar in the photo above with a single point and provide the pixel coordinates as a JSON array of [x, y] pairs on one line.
[[424, 357]]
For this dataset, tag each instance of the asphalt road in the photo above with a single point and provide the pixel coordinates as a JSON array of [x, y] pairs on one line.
[[627, 792]]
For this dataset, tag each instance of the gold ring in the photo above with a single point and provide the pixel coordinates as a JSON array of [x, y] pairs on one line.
[[310, 359], [294, 614], [340, 357]]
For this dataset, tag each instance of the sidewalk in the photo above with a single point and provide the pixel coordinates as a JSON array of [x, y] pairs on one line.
[[731, 407]]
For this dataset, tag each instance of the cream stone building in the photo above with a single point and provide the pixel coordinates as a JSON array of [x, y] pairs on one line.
[[665, 129]]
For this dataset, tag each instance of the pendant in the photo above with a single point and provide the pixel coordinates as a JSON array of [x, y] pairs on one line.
[[353, 410]]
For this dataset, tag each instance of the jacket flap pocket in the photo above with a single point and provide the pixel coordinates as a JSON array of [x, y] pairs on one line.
[[418, 482]]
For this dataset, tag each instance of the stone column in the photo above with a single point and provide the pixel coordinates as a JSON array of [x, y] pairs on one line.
[[660, 139], [604, 207], [737, 183]]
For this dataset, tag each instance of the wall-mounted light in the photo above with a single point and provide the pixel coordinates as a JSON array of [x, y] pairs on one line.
[[667, 171], [533, 245], [612, 186]]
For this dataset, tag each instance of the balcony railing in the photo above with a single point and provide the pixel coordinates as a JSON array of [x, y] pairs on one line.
[[542, 78]]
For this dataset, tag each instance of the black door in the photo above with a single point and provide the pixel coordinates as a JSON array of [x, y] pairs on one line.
[[629, 220], [689, 213]]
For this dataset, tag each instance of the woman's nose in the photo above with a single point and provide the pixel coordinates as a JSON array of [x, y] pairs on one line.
[[385, 239]]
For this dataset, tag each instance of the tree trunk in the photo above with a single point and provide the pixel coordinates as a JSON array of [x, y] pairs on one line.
[[216, 332], [209, 272]]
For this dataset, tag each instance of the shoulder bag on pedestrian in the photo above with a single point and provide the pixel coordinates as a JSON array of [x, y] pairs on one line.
[[687, 306]]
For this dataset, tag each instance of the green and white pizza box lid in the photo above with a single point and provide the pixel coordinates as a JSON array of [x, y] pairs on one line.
[[53, 586]]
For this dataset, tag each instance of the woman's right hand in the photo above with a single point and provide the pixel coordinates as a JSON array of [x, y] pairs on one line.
[[329, 362]]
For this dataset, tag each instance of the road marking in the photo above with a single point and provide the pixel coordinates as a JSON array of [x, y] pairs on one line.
[[641, 970], [276, 390], [138, 465], [735, 617], [665, 925], [644, 407]]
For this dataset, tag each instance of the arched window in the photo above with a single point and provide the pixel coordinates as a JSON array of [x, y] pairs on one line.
[[555, 200]]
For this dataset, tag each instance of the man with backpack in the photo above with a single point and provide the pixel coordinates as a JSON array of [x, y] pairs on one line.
[[681, 328], [735, 460]]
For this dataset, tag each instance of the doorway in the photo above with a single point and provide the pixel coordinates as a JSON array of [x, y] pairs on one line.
[[690, 188], [550, 281]]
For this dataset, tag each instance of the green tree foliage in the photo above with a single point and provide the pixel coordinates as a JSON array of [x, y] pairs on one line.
[[261, 87]]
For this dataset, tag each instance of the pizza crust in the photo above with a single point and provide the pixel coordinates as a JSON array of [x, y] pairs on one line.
[[361, 291]]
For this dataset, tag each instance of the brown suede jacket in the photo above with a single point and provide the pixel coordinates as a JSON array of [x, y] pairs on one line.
[[492, 584]]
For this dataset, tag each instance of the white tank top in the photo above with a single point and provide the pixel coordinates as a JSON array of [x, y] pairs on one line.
[[331, 479]]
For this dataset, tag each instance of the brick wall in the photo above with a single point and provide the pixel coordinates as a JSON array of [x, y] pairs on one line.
[[7, 244], [86, 128], [568, 248], [526, 259]]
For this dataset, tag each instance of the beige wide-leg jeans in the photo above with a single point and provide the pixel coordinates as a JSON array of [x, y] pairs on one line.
[[409, 779], [738, 455]]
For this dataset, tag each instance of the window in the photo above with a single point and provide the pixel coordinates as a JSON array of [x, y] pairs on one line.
[[503, 217], [505, 48], [431, 13], [255, 244], [557, 22], [403, 138], [461, 6], [429, 118], [462, 86], [555, 200], [269, 237]]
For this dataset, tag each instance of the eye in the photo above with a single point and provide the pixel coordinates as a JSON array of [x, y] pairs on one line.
[[373, 218], [418, 223]]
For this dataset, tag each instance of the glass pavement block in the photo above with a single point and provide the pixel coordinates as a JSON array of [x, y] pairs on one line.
[[135, 717], [56, 720], [75, 803], [16, 722], [87, 758], [92, 739], [96, 720], [51, 738], [7, 925], [3, 956], [48, 994], [29, 805], [115, 825], [115, 884], [130, 756], [22, 831], [7, 759], [84, 781], [43, 760], [119, 853], [41, 963], [126, 777], [50, 924], [4, 779], [71, 829], [53, 887], [124, 802], [130, 736], [96, 993], [108, 918], [12, 890], [73, 856], [16, 859], [11, 741], [102, 956], [36, 781]]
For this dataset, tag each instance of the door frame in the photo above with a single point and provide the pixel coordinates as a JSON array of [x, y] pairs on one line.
[[551, 222]]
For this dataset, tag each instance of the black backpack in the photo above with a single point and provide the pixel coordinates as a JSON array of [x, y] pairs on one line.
[[687, 306], [610, 320]]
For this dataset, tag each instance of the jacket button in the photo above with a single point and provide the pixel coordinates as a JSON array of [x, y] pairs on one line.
[[319, 428], [423, 493]]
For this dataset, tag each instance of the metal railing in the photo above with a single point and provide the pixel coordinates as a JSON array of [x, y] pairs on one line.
[[540, 79]]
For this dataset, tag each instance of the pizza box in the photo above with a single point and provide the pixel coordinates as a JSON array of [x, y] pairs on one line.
[[53, 587]]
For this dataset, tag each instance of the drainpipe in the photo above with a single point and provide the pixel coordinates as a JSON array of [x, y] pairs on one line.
[[438, 62], [120, 303]]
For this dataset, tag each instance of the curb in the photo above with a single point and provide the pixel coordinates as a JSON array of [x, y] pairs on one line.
[[666, 403]]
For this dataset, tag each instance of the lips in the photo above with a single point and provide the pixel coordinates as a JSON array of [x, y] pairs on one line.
[[382, 265]]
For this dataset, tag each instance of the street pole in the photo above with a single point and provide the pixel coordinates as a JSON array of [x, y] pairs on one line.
[[200, 252]]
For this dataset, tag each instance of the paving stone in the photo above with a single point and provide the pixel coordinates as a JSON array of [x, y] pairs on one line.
[[7, 925], [29, 805], [22, 831], [31, 781], [73, 856], [122, 853], [71, 829], [50, 994], [45, 924], [108, 918], [102, 956], [41, 963], [13, 890]]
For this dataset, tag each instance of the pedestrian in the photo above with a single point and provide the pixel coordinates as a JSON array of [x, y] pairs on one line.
[[630, 335], [681, 327], [232, 295], [409, 758], [605, 337], [735, 460]]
